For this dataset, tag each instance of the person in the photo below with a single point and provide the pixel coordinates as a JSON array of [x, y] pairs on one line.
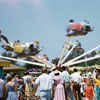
[[90, 75], [11, 89], [28, 85], [98, 51], [21, 88], [14, 42], [8, 46], [52, 72], [76, 80], [34, 47], [36, 44], [27, 76], [78, 45], [28, 88], [88, 90], [18, 47], [74, 29], [44, 82], [97, 81], [58, 92], [14, 79], [37, 93], [82, 86], [97, 71], [66, 79], [18, 42], [77, 50], [71, 21], [45, 57], [6, 75], [2, 89]]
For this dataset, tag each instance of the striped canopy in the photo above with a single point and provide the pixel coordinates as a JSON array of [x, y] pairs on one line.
[[34, 70]]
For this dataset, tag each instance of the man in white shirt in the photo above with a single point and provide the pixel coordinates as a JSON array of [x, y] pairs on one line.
[[76, 80], [44, 82]]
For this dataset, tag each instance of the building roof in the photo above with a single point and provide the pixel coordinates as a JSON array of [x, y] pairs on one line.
[[13, 68], [4, 63]]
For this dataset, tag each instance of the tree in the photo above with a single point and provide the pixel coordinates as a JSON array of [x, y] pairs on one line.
[[93, 53], [75, 53], [55, 61], [5, 54], [98, 61], [31, 66]]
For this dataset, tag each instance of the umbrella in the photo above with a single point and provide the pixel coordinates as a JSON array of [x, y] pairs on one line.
[[34, 70]]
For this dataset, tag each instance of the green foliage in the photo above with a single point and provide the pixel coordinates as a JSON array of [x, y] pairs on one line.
[[77, 53], [98, 61], [5, 54], [93, 53], [30, 66], [55, 61]]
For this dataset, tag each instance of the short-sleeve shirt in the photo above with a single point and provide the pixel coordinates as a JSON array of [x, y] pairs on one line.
[[44, 82], [88, 91], [76, 77], [97, 81], [65, 76]]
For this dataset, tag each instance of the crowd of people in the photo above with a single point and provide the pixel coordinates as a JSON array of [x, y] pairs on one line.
[[57, 84]]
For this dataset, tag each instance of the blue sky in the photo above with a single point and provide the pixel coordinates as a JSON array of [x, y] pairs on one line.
[[46, 20]]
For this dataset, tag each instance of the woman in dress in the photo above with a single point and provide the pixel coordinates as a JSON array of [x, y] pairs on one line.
[[28, 88], [11, 89], [58, 88]]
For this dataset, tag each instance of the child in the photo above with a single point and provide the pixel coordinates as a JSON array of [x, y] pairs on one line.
[[88, 90]]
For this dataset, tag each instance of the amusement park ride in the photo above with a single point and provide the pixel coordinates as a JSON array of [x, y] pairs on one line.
[[32, 49]]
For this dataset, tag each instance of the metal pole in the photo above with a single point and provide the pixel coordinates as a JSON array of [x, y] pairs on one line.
[[29, 62], [68, 54], [62, 55], [83, 54], [80, 61]]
